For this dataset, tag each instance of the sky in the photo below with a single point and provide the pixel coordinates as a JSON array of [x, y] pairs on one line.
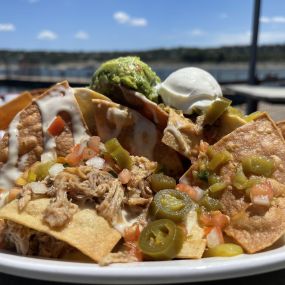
[[108, 25]]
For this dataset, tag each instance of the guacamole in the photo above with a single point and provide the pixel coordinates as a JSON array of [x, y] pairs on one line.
[[129, 72]]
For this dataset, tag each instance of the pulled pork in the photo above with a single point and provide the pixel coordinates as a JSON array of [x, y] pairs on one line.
[[97, 188], [27, 241], [60, 211]]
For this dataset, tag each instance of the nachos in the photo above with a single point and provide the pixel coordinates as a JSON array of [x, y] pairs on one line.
[[112, 173]]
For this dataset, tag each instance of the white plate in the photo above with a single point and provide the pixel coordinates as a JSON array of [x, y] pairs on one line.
[[176, 271]]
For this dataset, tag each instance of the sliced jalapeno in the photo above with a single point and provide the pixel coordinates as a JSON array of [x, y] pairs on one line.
[[211, 204], [216, 109], [240, 181], [161, 240], [258, 165], [118, 153], [160, 181], [219, 159], [170, 204]]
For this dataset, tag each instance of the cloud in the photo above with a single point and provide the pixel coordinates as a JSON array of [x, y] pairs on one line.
[[124, 18], [47, 35], [138, 22], [81, 35], [223, 16], [272, 37], [197, 32], [121, 17], [242, 38], [7, 27], [275, 19]]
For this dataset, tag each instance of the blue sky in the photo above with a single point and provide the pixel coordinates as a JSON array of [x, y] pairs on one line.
[[94, 25]]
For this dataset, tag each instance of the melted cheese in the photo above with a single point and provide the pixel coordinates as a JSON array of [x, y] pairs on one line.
[[178, 137], [145, 136], [49, 106], [9, 172], [118, 117]]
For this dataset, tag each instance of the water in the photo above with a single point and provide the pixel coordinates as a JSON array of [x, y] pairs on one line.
[[223, 73]]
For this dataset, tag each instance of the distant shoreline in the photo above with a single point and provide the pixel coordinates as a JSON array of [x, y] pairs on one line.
[[180, 55]]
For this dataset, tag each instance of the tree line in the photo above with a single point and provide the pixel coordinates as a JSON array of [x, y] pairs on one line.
[[234, 54]]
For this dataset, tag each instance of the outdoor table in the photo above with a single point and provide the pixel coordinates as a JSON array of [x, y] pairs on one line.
[[255, 93]]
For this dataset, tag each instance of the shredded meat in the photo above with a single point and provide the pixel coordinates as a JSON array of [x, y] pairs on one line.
[[111, 206], [98, 189], [27, 241], [141, 169], [25, 198], [60, 211], [117, 257]]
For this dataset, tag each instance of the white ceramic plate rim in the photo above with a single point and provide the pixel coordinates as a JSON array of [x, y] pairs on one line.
[[176, 271]]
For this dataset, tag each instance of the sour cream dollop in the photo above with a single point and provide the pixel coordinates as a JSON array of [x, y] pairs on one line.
[[190, 88]]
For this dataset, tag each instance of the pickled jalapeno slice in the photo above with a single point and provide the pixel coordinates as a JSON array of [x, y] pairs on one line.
[[170, 204], [118, 153], [160, 181], [240, 181], [219, 159], [258, 165], [161, 240], [216, 109]]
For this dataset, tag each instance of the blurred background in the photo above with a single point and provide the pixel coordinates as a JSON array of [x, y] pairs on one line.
[[45, 41]]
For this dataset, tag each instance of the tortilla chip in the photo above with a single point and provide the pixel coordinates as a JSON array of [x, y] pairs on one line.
[[256, 228], [194, 245], [30, 138], [9, 110], [281, 126], [252, 228], [146, 107], [84, 98], [181, 134], [137, 101], [136, 133], [260, 137], [227, 123], [88, 232]]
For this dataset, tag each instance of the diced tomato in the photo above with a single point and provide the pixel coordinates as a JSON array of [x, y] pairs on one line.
[[76, 155], [94, 143], [56, 127], [13, 194], [131, 236], [214, 219], [88, 153], [134, 250], [194, 192], [215, 237], [132, 233], [61, 160], [124, 176], [261, 194]]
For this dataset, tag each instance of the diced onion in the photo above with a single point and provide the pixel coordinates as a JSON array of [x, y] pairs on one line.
[[214, 237], [38, 188], [48, 156], [199, 193], [3, 198], [96, 162], [55, 169], [262, 200]]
